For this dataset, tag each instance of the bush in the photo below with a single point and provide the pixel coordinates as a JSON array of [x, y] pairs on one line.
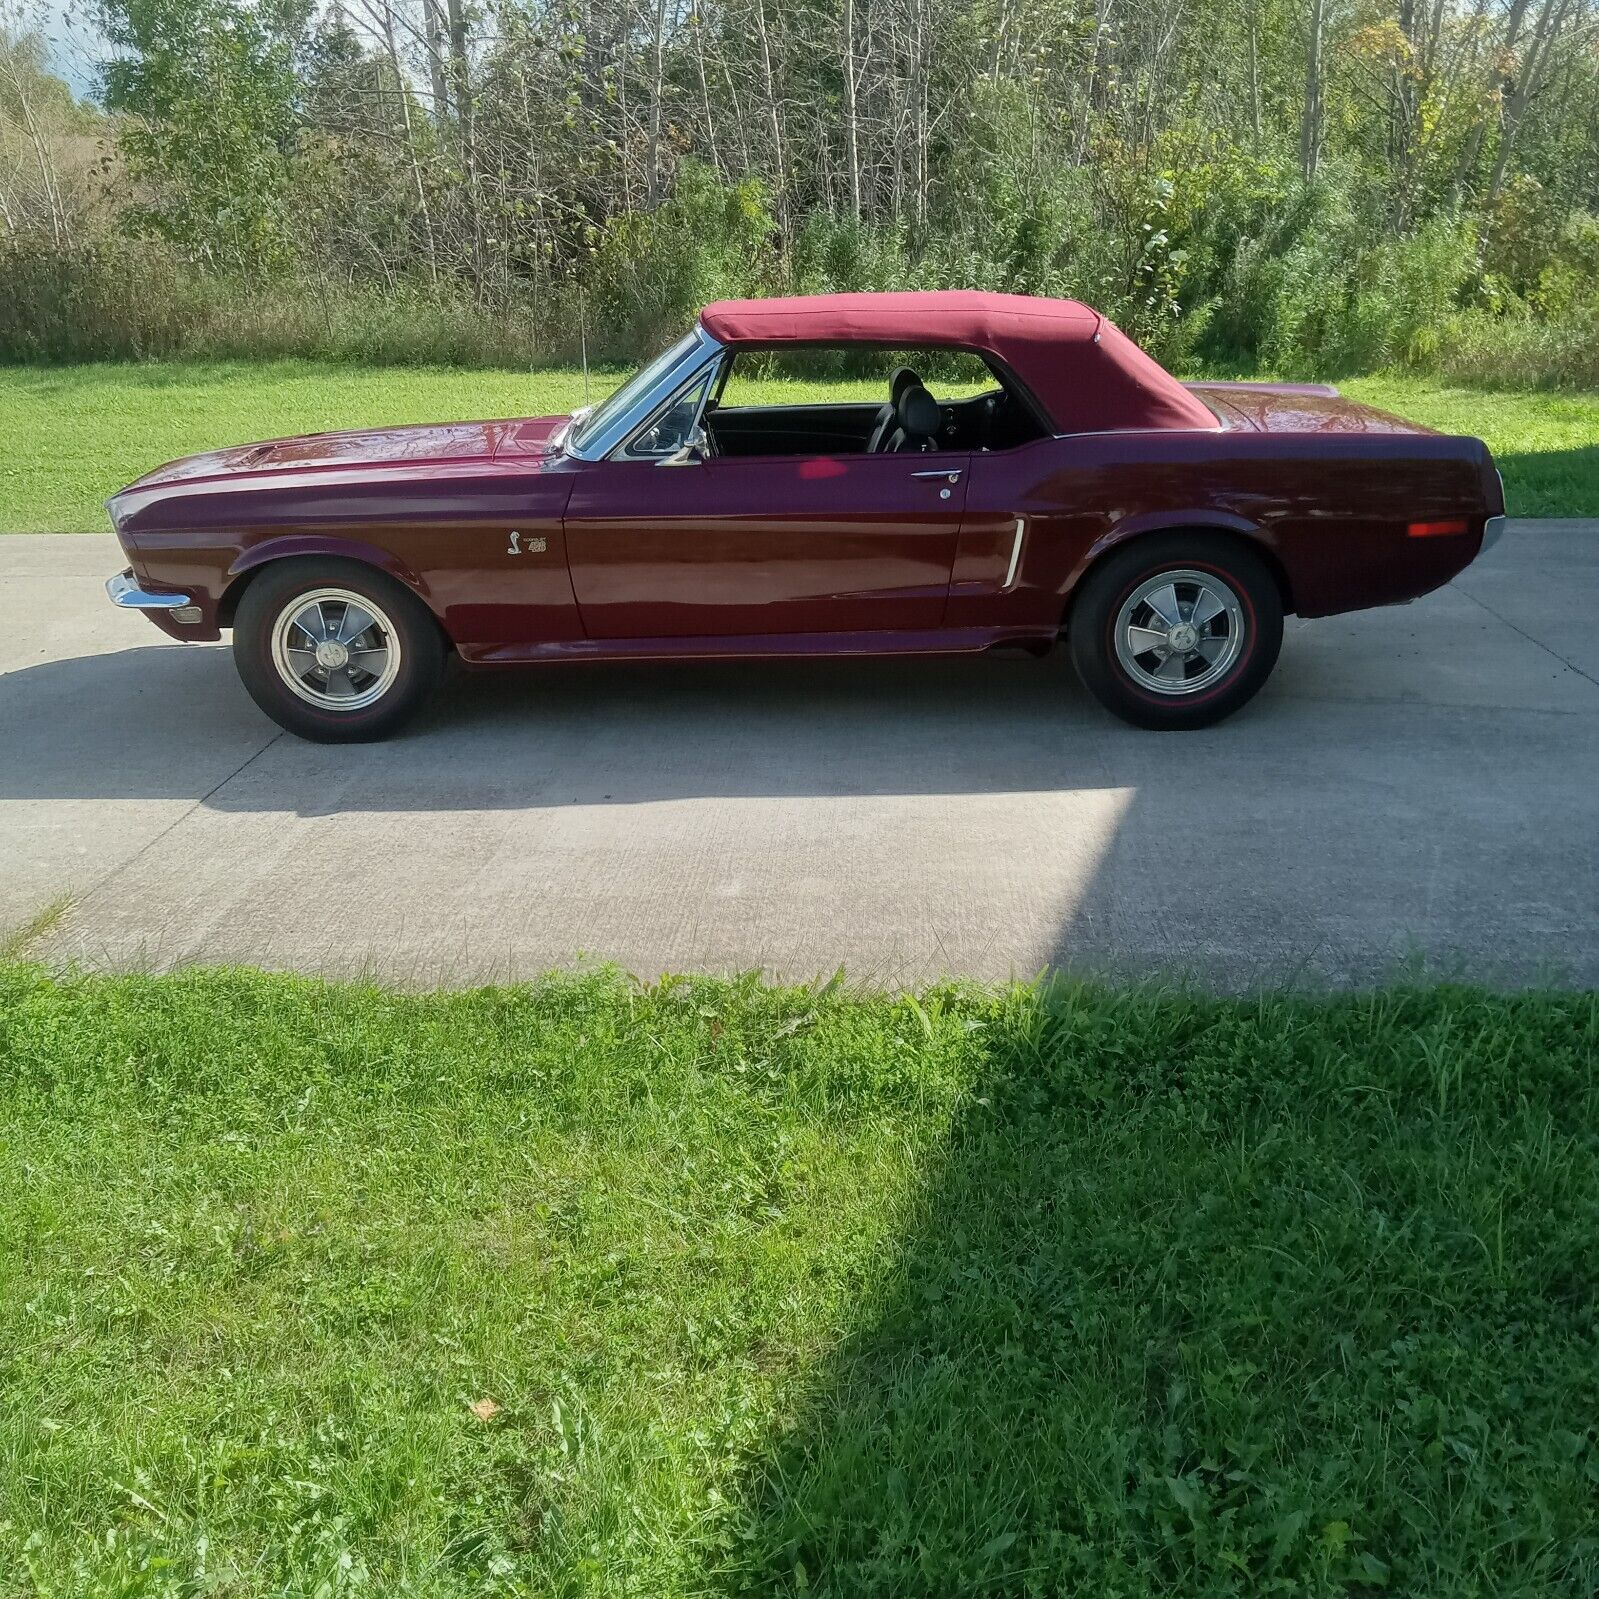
[[839, 255], [1568, 285], [1520, 352], [1324, 291], [1210, 260], [137, 301], [652, 271]]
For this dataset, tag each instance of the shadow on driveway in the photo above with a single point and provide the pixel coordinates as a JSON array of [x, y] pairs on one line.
[[1414, 783]]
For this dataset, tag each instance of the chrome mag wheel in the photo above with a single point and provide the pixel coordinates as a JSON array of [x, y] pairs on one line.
[[336, 649], [1179, 632]]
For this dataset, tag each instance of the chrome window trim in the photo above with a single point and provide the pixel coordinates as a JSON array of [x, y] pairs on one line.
[[703, 373], [672, 382]]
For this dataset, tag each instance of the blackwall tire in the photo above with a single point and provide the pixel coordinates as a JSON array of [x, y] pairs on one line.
[[1176, 630], [336, 651]]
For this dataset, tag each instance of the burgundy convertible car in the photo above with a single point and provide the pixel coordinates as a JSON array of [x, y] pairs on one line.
[[1062, 486]]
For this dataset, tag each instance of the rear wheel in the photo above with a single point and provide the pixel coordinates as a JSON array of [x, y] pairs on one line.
[[335, 651], [1176, 630]]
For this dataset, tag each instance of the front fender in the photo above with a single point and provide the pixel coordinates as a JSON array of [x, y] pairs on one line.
[[290, 545]]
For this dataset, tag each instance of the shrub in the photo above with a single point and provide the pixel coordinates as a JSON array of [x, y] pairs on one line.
[[1325, 290], [652, 271], [134, 301], [1219, 264], [1518, 351]]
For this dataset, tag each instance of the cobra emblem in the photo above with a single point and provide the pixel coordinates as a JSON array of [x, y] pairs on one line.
[[534, 546]]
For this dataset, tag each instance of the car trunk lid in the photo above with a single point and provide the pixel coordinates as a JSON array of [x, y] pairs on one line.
[[1295, 408]]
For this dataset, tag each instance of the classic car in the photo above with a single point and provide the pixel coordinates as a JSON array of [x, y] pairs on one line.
[[1061, 487]]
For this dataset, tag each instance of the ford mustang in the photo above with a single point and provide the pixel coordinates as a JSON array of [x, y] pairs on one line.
[[1025, 475]]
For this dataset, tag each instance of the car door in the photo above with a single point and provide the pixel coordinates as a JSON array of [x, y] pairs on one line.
[[736, 546]]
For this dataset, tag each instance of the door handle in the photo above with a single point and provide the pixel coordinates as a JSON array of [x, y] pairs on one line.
[[948, 475]]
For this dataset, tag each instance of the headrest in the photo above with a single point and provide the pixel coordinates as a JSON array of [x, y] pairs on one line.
[[918, 412], [903, 377]]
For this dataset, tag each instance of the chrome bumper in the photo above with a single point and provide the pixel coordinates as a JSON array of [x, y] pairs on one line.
[[124, 591], [1492, 530]]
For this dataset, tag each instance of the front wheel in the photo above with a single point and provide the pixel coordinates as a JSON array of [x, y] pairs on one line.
[[1177, 630], [335, 651]]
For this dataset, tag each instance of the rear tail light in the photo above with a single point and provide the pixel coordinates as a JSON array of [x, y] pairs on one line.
[[1434, 530]]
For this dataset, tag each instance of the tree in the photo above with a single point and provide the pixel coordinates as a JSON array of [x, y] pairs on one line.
[[1301, 173], [35, 107], [209, 95]]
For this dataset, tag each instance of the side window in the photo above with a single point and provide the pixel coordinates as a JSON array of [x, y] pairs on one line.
[[848, 375], [672, 426], [852, 399]]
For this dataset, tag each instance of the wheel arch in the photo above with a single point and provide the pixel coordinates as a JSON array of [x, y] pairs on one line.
[[1230, 530], [254, 560]]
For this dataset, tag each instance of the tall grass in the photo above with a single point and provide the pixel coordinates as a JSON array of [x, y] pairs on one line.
[[1492, 352], [125, 302], [122, 301]]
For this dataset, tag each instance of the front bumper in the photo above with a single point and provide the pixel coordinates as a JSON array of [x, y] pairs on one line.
[[124, 590]]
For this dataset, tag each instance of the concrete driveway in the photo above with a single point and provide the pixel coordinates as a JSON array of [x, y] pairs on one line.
[[1416, 790]]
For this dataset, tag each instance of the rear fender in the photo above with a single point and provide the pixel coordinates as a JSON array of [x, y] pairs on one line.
[[1204, 519]]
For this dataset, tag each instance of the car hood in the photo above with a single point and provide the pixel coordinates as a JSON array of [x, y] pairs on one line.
[[442, 443]]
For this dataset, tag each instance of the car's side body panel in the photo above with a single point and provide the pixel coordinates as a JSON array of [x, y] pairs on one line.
[[442, 527], [753, 545], [763, 547], [1334, 525]]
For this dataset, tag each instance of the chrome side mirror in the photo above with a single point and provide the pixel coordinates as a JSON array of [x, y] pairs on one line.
[[692, 452]]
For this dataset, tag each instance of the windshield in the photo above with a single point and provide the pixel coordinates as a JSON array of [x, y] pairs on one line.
[[642, 381]]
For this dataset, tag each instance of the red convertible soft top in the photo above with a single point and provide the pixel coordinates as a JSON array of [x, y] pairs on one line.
[[1085, 372]]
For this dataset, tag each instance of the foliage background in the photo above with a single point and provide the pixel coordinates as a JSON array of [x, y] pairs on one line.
[[1296, 186]]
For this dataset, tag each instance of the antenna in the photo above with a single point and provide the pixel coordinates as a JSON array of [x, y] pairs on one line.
[[583, 340]]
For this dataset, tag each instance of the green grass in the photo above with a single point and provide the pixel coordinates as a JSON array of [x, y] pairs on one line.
[[70, 436], [784, 1291], [74, 435], [1546, 444]]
